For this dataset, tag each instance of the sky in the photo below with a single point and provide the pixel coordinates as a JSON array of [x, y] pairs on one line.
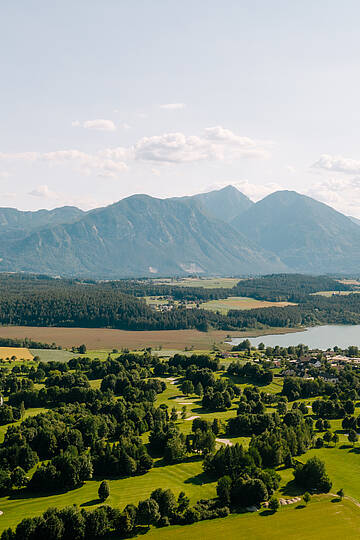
[[101, 99]]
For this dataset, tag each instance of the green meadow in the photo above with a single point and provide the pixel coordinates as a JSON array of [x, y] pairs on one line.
[[322, 519]]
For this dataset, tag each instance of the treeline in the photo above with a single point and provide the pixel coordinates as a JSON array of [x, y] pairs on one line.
[[160, 509], [287, 287], [27, 343]]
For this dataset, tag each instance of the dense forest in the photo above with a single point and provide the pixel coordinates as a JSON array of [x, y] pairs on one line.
[[43, 301]]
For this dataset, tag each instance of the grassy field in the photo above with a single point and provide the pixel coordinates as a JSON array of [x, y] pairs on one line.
[[184, 476], [46, 355], [342, 465], [240, 302], [108, 338], [208, 283], [20, 353], [322, 519], [337, 293], [349, 281]]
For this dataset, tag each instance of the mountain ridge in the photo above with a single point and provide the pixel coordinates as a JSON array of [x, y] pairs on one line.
[[218, 232]]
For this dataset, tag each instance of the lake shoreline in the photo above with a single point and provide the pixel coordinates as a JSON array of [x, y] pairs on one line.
[[315, 337]]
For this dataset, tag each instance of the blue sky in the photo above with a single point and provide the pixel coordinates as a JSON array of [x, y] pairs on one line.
[[101, 99]]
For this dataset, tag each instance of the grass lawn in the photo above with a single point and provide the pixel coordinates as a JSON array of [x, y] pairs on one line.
[[342, 465], [240, 302], [320, 520], [187, 477], [47, 355]]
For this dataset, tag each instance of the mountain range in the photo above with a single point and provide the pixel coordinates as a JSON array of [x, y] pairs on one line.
[[220, 232]]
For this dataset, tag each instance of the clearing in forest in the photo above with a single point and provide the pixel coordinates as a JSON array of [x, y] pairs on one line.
[[242, 303]]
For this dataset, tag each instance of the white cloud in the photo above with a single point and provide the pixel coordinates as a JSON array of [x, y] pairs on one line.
[[19, 156], [340, 193], [100, 124], [338, 164], [216, 143], [4, 174], [142, 115], [104, 163], [173, 106], [43, 191]]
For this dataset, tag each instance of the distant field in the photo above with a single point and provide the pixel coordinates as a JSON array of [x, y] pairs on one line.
[[331, 293], [207, 283], [46, 355], [240, 302], [108, 338], [320, 520], [19, 352], [349, 281]]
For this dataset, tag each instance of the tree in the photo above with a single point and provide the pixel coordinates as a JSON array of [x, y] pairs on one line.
[[335, 438], [282, 408], [26, 529], [183, 412], [341, 494], [187, 387], [353, 436], [319, 424], [183, 502], [223, 490], [166, 501], [97, 523], [349, 407], [199, 390], [19, 478], [306, 497], [216, 426], [52, 528], [303, 408], [82, 349], [313, 475], [104, 490], [22, 410], [274, 504], [327, 437], [148, 512], [173, 416]]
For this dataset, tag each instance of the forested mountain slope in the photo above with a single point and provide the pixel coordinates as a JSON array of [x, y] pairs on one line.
[[307, 235], [139, 236]]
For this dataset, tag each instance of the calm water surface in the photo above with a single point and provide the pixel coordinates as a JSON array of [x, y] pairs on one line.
[[318, 337]]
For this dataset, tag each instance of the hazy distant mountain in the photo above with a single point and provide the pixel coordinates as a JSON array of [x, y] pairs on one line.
[[139, 236], [305, 234], [15, 224], [225, 204], [144, 236]]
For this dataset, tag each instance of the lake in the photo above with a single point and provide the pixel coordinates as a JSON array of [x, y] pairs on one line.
[[317, 337]]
